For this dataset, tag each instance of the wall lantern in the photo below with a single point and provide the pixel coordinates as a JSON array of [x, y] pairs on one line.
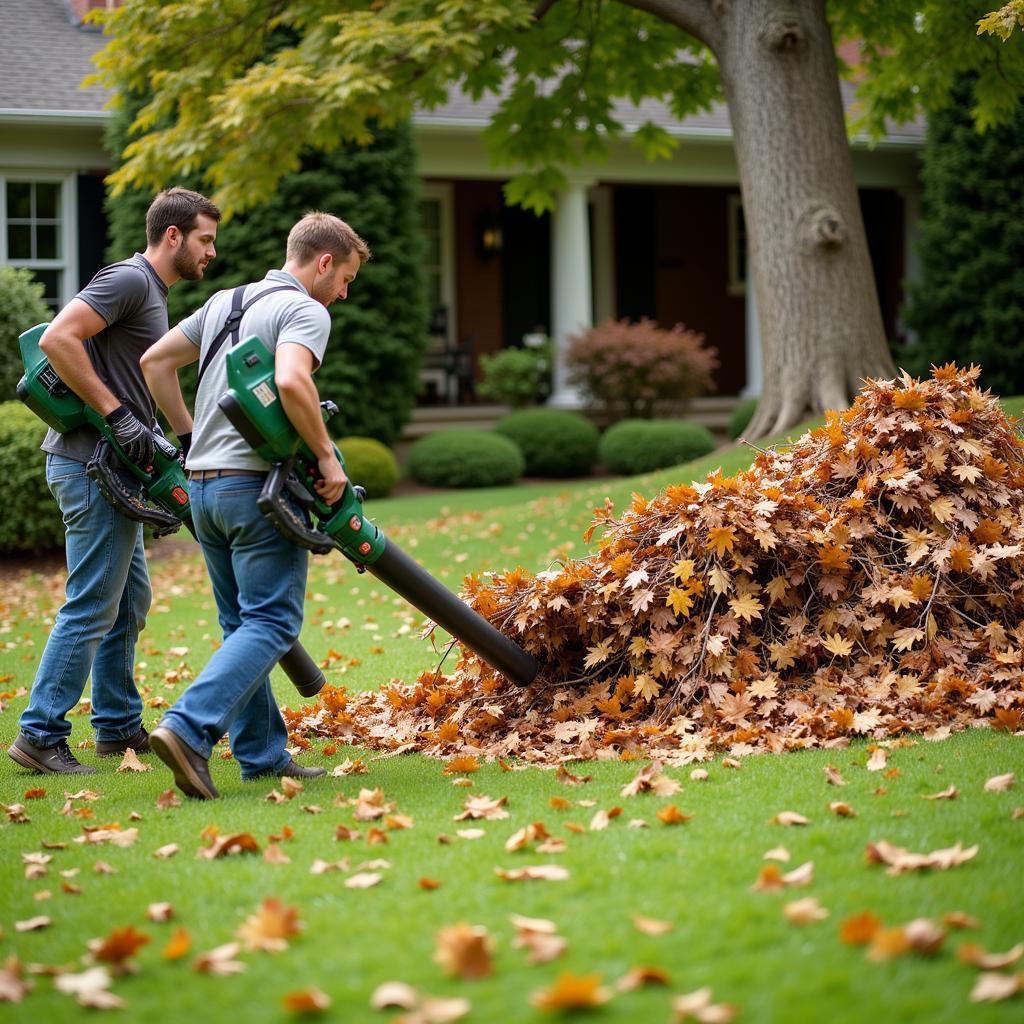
[[489, 237]]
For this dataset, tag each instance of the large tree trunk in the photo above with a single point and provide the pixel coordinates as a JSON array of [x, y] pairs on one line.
[[821, 325]]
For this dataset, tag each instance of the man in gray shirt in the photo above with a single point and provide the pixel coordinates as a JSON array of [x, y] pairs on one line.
[[94, 344], [258, 576]]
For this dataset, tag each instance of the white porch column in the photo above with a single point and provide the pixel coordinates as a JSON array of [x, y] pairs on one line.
[[571, 302], [755, 362]]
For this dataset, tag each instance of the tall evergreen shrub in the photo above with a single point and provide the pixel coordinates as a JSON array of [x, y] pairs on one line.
[[378, 333], [969, 304]]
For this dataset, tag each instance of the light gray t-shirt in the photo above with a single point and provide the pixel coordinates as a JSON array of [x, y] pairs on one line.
[[285, 316], [132, 299]]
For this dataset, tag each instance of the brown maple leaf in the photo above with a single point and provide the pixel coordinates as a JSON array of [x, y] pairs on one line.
[[270, 927], [572, 992], [119, 945], [465, 951]]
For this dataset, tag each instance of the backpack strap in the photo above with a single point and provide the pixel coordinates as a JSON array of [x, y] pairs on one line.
[[233, 323]]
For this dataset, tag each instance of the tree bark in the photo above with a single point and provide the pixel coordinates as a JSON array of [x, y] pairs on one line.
[[821, 325]]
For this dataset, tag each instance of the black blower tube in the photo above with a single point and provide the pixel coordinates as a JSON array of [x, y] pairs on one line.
[[398, 571], [302, 670]]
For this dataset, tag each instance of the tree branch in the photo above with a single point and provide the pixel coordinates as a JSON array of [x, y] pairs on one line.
[[701, 18]]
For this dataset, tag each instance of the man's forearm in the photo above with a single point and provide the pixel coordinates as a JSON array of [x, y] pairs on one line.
[[67, 355], [301, 403]]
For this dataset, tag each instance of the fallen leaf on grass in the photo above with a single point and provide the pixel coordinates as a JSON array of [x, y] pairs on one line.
[[343, 833], [878, 759], [699, 775], [805, 911], [168, 799], [901, 860], [565, 776], [70, 890], [637, 977], [921, 935], [960, 919], [15, 813], [94, 980], [178, 944], [13, 987], [539, 936], [999, 783], [777, 853], [832, 776], [220, 961], [949, 793], [32, 924], [464, 950], [730, 762], [34, 794], [540, 872], [270, 927], [651, 779], [483, 807], [470, 833], [425, 1009], [101, 867], [273, 854], [167, 851], [371, 804], [698, 1005], [131, 763], [788, 818], [462, 765], [428, 883], [394, 995], [843, 810], [976, 956], [992, 987], [363, 880], [350, 767], [320, 867], [572, 992], [306, 1000], [528, 834], [671, 815], [120, 945], [860, 929], [651, 925], [222, 846], [113, 834], [770, 878]]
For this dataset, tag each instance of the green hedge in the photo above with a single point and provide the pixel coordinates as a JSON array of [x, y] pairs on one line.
[[21, 307], [370, 464], [464, 458], [31, 521], [639, 446], [741, 417], [554, 443]]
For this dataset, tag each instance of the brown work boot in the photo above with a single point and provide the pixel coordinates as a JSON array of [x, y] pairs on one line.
[[191, 770], [294, 770], [56, 760], [139, 743]]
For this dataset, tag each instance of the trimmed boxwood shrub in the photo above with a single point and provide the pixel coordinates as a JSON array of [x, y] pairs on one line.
[[31, 521], [370, 464], [741, 416], [464, 458], [639, 446], [554, 442], [21, 307]]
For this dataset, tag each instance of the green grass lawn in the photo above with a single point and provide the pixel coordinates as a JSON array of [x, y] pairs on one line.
[[695, 876]]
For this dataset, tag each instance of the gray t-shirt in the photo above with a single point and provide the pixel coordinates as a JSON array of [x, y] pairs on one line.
[[132, 299], [285, 316]]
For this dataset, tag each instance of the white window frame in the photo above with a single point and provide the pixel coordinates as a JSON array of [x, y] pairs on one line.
[[737, 284], [68, 263]]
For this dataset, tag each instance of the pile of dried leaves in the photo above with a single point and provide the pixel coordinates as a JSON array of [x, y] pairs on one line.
[[866, 580]]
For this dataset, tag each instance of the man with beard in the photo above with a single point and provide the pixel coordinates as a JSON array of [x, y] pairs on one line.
[[259, 576], [95, 344]]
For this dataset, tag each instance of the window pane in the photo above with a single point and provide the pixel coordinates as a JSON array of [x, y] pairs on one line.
[[50, 280], [47, 242], [19, 199], [19, 242], [433, 249], [48, 200]]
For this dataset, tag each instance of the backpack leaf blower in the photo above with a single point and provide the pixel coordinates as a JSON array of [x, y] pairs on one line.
[[163, 503], [290, 501]]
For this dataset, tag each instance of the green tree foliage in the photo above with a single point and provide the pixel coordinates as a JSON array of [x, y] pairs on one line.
[[219, 104], [21, 307], [378, 333], [968, 306]]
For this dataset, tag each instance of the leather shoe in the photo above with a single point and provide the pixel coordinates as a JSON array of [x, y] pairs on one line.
[[55, 760], [294, 770], [191, 770], [139, 743]]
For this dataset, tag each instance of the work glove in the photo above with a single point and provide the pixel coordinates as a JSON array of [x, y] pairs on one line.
[[133, 437]]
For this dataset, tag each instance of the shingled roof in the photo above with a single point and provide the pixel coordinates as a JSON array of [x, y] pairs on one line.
[[44, 58]]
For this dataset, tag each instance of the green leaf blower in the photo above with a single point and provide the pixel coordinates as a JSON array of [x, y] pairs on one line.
[[289, 499], [164, 503]]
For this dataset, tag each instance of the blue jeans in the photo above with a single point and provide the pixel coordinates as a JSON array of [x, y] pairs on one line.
[[107, 596], [259, 582]]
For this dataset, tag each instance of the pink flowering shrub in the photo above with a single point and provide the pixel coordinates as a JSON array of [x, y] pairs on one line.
[[633, 369]]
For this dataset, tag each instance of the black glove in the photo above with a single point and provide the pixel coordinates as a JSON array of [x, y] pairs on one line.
[[185, 440], [133, 437]]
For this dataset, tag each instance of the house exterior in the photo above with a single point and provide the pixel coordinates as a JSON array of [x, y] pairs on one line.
[[628, 238]]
